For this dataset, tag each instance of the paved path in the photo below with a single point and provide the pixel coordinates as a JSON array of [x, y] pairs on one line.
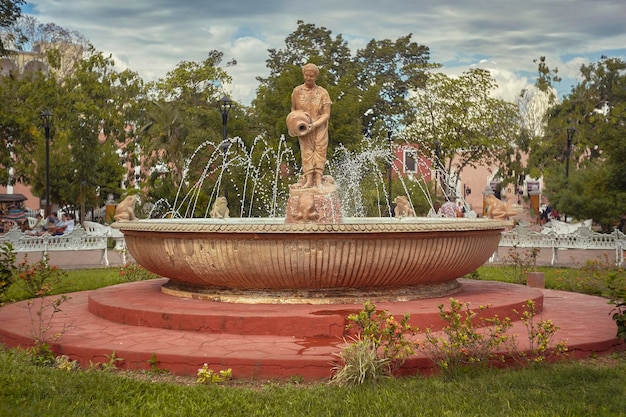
[[84, 259], [139, 322], [566, 257]]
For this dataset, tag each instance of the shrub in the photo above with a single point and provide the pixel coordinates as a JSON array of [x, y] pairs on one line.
[[467, 341], [521, 261], [37, 281], [380, 345], [360, 364], [7, 268], [616, 291], [540, 337], [208, 376], [132, 272]]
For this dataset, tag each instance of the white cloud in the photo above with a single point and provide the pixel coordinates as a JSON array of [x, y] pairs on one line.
[[505, 36]]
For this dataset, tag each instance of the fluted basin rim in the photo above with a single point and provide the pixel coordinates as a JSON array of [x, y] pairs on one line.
[[277, 225]]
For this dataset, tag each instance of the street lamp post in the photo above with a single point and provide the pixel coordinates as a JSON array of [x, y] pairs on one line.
[[225, 103], [46, 116], [570, 135], [389, 174]]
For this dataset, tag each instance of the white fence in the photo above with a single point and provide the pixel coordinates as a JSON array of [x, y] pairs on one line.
[[95, 237], [556, 238]]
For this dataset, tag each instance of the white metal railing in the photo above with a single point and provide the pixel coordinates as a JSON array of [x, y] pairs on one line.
[[581, 238], [116, 235], [77, 240]]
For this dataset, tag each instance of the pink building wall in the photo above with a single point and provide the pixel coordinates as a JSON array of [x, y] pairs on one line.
[[32, 202]]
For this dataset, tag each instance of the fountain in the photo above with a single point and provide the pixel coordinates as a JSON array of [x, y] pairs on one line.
[[270, 261], [313, 254], [268, 295]]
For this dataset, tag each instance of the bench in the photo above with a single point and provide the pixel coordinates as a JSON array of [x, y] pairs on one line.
[[581, 238], [115, 234], [77, 240]]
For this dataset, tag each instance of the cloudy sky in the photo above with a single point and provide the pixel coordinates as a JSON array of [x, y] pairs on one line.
[[504, 36]]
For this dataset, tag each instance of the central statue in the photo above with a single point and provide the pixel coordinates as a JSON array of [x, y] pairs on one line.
[[313, 199], [308, 120]]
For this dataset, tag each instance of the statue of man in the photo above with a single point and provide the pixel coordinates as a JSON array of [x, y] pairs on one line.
[[310, 111]]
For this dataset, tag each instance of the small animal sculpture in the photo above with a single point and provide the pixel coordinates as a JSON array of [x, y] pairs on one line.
[[403, 207], [306, 211], [220, 209], [125, 210], [497, 209]]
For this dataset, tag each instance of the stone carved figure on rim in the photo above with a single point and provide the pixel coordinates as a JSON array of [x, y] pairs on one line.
[[498, 209], [220, 209], [308, 120], [126, 209], [403, 207]]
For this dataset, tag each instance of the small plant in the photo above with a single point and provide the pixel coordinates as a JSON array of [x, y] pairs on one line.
[[207, 376], [154, 365], [468, 341], [360, 363], [7, 268], [110, 365], [38, 281], [521, 261], [64, 363], [616, 291], [390, 336], [296, 379], [132, 272], [379, 345], [475, 274], [540, 337], [42, 355]]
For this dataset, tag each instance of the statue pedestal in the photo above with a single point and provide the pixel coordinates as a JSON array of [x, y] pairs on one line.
[[315, 204]]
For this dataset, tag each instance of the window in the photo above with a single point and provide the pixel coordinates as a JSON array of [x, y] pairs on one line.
[[410, 160]]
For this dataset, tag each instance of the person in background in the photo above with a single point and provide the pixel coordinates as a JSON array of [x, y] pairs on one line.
[[17, 215], [545, 215], [460, 209], [434, 210], [65, 226], [448, 209], [52, 220], [39, 227]]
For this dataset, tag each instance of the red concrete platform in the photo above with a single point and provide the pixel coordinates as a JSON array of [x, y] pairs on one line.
[[137, 321]]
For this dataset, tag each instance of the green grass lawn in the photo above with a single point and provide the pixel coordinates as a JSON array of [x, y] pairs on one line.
[[593, 387], [588, 388]]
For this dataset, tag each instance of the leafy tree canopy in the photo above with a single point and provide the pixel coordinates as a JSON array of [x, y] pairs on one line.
[[458, 119], [596, 108], [10, 11]]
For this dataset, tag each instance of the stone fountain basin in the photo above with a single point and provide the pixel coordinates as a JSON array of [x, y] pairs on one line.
[[263, 258]]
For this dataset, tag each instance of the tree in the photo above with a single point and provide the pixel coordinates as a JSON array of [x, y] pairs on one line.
[[10, 11], [307, 44], [77, 87], [391, 68], [89, 100], [183, 115], [22, 100], [369, 91], [596, 108], [546, 77], [458, 118]]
